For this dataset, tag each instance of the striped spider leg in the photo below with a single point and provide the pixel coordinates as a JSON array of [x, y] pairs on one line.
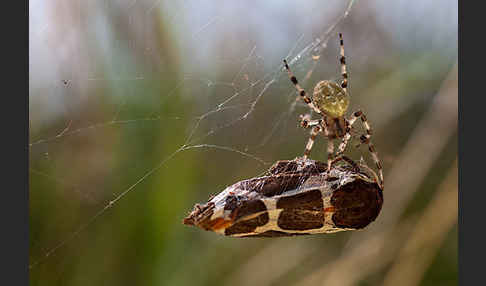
[[365, 139], [316, 128], [331, 100], [317, 125]]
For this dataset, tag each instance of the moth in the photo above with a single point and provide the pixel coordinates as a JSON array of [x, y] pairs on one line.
[[295, 197]]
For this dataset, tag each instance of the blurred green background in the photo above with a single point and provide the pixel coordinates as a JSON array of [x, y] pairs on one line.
[[117, 88]]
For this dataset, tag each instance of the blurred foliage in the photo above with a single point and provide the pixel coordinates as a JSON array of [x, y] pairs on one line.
[[139, 76]]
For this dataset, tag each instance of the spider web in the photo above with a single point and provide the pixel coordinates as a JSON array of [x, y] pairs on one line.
[[243, 93]]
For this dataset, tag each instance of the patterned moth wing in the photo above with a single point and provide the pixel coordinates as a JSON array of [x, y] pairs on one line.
[[296, 197]]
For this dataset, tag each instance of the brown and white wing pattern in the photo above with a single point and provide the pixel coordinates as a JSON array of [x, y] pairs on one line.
[[297, 197]]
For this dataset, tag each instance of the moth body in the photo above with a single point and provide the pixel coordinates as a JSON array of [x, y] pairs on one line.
[[297, 197]]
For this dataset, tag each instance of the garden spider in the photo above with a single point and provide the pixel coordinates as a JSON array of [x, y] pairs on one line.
[[331, 101]]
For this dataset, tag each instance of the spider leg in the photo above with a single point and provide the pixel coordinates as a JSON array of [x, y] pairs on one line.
[[363, 165], [330, 143], [305, 121], [347, 135], [313, 134], [347, 160], [330, 152], [344, 82], [300, 90], [344, 85], [365, 139]]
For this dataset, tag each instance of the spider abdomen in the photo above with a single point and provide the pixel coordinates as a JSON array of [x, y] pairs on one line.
[[330, 98]]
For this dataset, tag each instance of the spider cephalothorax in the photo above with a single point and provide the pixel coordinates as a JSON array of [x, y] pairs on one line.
[[331, 101]]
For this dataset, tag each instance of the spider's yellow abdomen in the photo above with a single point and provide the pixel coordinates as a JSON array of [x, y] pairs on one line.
[[330, 98]]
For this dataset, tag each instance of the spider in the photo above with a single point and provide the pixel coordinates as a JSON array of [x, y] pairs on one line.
[[331, 101]]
